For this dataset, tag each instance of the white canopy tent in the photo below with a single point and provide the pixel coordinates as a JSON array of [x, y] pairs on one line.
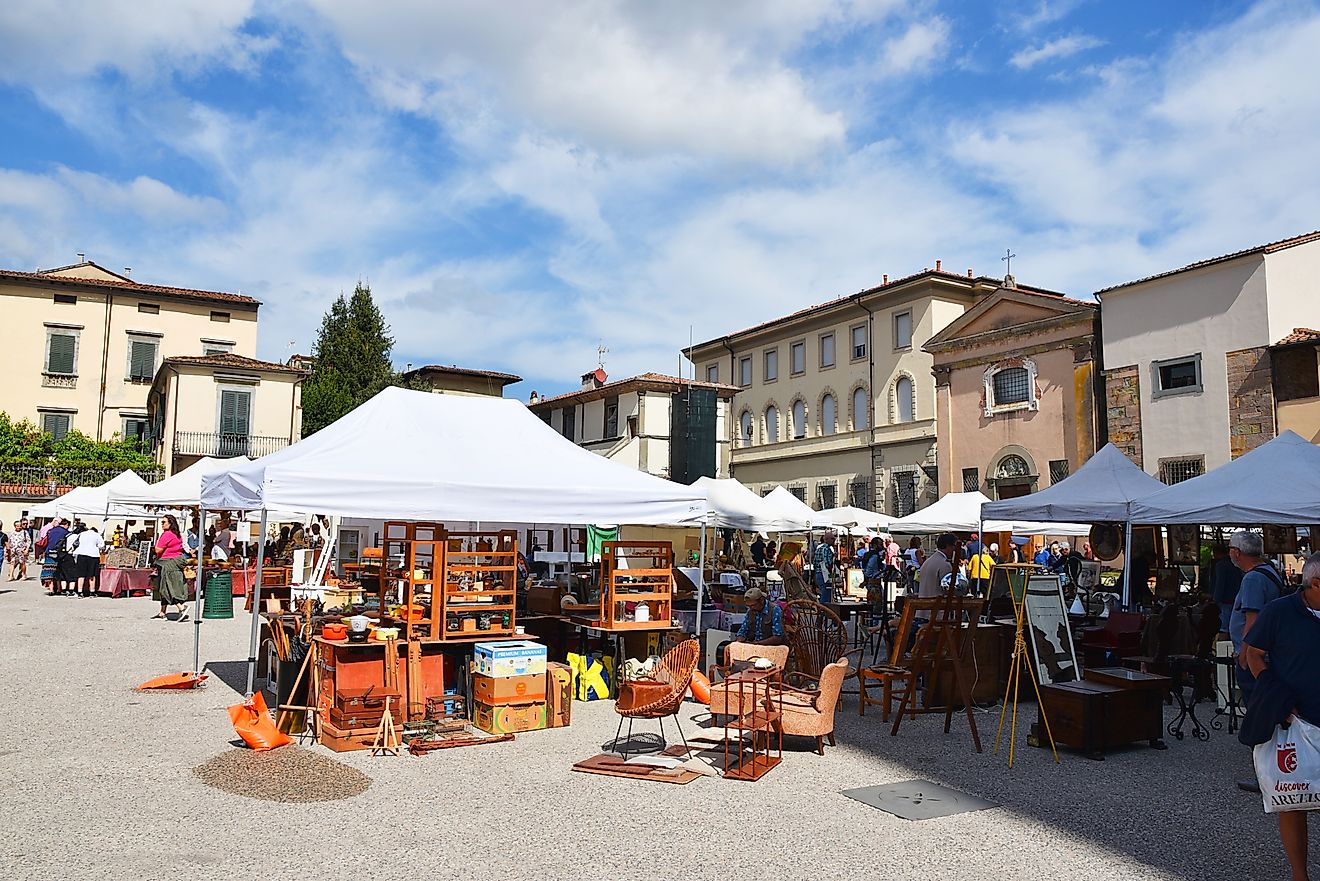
[[731, 505], [1276, 484], [850, 517], [961, 512], [791, 507], [96, 501], [184, 490]]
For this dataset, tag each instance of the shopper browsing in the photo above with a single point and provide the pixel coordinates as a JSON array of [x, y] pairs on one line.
[[87, 560]]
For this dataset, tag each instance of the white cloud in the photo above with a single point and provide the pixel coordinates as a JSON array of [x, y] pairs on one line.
[[1046, 12], [1052, 50], [923, 43]]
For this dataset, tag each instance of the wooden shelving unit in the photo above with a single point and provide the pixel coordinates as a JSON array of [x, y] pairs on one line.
[[480, 584], [636, 572]]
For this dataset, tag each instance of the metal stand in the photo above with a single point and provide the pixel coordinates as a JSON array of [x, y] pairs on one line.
[[1232, 709], [1021, 659]]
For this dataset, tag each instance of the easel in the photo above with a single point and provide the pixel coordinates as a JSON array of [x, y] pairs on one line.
[[1021, 659], [386, 742], [944, 633]]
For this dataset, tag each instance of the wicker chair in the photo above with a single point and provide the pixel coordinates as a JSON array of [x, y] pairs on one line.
[[660, 697], [818, 638], [720, 697]]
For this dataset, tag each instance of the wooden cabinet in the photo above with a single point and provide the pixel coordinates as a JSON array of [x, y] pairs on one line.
[[1096, 716], [634, 573]]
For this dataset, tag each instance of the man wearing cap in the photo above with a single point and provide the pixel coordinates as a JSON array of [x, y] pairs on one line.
[[764, 624]]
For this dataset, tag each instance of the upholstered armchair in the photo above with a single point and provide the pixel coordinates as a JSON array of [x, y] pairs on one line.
[[811, 714]]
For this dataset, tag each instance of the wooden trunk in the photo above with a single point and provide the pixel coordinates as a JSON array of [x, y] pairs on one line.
[[1095, 716]]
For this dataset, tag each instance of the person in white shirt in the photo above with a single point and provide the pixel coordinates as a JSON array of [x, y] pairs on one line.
[[87, 557]]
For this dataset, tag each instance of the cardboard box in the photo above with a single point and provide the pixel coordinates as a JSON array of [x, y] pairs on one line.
[[508, 718], [558, 695], [508, 689], [515, 657]]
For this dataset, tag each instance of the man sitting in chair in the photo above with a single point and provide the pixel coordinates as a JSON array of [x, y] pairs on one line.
[[764, 624]]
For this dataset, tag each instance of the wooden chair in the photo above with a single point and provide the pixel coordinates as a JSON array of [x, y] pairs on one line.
[[818, 639], [811, 714], [660, 697], [720, 696], [898, 678], [892, 674]]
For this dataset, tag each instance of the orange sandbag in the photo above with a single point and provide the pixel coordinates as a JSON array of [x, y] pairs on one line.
[[700, 688], [253, 723], [175, 680]]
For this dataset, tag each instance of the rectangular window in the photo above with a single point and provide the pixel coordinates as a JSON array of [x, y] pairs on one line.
[[1177, 376], [859, 493], [798, 355], [903, 330], [1012, 385], [149, 308], [56, 424], [799, 492], [1058, 470], [859, 342], [611, 417], [827, 350], [134, 427], [905, 493], [219, 316], [62, 352], [771, 365], [235, 411], [971, 480], [142, 359], [744, 372], [1184, 468], [216, 347], [67, 299], [570, 423], [827, 495], [713, 373], [1296, 376]]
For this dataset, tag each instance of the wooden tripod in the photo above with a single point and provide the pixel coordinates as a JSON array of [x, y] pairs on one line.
[[942, 640]]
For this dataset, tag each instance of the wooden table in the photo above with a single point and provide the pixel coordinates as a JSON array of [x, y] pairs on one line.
[[762, 691]]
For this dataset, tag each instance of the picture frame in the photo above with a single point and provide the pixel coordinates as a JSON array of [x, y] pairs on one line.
[[1184, 544], [1046, 618], [1280, 540]]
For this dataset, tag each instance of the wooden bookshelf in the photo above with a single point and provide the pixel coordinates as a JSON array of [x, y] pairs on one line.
[[635, 572], [480, 584]]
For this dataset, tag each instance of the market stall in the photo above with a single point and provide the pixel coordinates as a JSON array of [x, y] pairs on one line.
[[962, 512]]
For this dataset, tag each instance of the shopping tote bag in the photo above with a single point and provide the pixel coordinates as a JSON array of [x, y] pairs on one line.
[[1288, 768]]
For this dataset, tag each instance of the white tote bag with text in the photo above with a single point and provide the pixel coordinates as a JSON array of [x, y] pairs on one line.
[[1288, 768]]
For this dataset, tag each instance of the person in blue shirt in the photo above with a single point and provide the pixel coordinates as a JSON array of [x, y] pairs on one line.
[[824, 566], [1285, 637], [1042, 557], [1261, 585], [1225, 582], [764, 624]]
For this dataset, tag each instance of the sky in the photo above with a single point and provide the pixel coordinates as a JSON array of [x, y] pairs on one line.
[[521, 182]]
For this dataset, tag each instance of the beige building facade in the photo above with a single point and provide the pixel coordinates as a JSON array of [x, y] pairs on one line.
[[222, 406], [837, 402], [1188, 375], [1295, 369], [1016, 393], [663, 425], [83, 344], [462, 380]]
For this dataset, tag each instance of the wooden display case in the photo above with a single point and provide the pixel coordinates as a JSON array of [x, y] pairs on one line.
[[635, 572], [480, 586]]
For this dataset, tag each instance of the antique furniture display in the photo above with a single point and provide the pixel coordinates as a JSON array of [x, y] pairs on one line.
[[811, 714], [818, 638], [637, 585], [723, 700], [1095, 717], [661, 696], [762, 693]]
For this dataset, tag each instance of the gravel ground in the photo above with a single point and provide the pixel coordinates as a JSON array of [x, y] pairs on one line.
[[99, 783]]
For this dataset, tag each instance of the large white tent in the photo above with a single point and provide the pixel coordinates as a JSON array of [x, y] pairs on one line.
[[850, 517], [180, 490], [1101, 491], [1276, 484], [95, 501], [791, 507], [731, 505], [422, 456], [961, 512]]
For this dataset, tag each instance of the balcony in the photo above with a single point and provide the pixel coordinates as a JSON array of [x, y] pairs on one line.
[[223, 445], [59, 380], [24, 482]]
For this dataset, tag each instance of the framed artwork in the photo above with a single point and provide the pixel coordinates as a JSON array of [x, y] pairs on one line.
[[1280, 540], [1051, 637], [1184, 544]]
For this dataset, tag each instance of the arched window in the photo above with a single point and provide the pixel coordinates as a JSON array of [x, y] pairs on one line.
[[828, 416], [799, 420], [1012, 386], [771, 424], [1013, 466], [861, 410], [745, 428], [903, 403]]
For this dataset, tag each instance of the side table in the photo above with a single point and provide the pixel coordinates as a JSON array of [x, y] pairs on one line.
[[761, 696]]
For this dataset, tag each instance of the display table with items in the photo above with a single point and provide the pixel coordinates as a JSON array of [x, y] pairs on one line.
[[124, 582]]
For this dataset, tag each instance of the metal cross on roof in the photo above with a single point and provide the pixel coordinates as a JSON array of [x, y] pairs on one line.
[[1008, 259]]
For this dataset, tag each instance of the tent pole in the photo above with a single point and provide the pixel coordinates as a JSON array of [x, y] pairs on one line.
[[1127, 565], [197, 606], [701, 575], [256, 607]]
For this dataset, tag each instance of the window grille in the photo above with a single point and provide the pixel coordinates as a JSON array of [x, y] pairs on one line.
[[1058, 470], [1177, 470], [971, 480]]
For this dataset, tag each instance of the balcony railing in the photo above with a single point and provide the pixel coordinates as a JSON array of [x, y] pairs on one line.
[[224, 445], [59, 380], [39, 482]]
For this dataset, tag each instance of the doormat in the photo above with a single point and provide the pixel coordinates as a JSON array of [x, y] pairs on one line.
[[918, 800]]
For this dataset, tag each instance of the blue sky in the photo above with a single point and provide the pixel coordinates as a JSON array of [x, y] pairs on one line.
[[520, 182]]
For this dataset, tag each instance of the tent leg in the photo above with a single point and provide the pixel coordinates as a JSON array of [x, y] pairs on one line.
[[256, 608], [1127, 565], [197, 590], [701, 576]]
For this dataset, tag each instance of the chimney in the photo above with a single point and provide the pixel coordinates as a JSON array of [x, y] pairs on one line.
[[128, 270], [82, 258], [886, 281], [937, 265], [594, 380], [969, 272]]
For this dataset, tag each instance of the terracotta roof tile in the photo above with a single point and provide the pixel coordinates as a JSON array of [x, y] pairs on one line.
[[467, 371], [1269, 248], [127, 285], [1300, 335], [641, 379], [228, 359]]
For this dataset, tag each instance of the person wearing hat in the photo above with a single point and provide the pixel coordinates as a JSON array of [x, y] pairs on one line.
[[764, 624]]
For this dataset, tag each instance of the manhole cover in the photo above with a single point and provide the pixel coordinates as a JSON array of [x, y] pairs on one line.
[[918, 800]]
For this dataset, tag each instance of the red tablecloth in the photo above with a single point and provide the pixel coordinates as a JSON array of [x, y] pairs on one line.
[[243, 580], [124, 582]]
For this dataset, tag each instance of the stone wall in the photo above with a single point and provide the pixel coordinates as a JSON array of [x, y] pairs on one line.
[[1250, 400], [1123, 410]]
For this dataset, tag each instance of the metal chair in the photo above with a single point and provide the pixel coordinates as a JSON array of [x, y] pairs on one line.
[[660, 697]]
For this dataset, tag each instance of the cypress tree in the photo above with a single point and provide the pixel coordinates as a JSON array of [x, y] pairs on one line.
[[352, 355]]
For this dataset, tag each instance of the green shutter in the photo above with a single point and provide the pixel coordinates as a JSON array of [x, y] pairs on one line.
[[235, 408], [55, 424], [61, 353], [142, 360]]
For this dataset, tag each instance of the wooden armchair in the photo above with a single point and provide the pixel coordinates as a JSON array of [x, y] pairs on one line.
[[818, 639], [893, 674], [811, 714], [1120, 635], [660, 697], [721, 699]]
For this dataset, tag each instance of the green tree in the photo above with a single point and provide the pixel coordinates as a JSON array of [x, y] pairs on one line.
[[352, 355]]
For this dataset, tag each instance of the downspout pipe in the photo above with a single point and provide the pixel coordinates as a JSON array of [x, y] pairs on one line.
[[870, 389]]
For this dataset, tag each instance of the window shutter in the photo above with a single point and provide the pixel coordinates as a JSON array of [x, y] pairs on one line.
[[142, 360], [55, 424], [61, 353], [234, 410]]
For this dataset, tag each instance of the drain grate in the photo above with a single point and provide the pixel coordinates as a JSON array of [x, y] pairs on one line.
[[918, 800]]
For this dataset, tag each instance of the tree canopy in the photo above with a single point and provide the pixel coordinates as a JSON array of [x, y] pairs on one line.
[[22, 443]]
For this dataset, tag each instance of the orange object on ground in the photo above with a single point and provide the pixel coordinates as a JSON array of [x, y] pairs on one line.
[[253, 723], [700, 688], [174, 680]]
